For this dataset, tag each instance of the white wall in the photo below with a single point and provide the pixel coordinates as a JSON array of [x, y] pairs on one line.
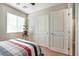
[[3, 20]]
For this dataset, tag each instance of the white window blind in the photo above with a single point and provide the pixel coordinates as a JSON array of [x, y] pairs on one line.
[[14, 23]]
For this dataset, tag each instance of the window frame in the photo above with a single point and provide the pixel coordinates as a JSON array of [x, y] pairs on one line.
[[15, 31]]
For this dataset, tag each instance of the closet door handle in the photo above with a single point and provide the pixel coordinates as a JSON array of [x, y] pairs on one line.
[[52, 33]]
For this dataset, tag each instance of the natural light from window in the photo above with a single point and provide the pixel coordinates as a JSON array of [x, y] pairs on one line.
[[14, 23]]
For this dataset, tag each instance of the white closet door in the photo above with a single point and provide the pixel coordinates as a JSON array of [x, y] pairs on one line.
[[60, 30], [57, 30], [43, 30], [36, 30]]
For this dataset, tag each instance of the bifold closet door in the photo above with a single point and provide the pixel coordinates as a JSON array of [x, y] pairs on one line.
[[57, 30], [41, 30], [61, 31]]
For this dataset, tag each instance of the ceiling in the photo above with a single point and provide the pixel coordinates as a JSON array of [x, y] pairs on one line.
[[29, 8]]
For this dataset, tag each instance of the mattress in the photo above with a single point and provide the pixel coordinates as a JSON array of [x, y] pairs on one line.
[[19, 47]]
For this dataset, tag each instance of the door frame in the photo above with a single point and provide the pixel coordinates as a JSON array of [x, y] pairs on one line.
[[70, 50], [76, 29]]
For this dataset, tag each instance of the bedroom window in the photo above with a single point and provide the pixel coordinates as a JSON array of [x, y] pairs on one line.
[[14, 23]]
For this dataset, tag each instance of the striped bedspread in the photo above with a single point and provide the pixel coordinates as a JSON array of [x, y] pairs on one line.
[[19, 47]]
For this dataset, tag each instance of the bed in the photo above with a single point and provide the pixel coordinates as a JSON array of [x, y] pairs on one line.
[[19, 47]]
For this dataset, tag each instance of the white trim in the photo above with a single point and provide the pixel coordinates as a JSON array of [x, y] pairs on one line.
[[76, 29], [71, 31], [60, 50]]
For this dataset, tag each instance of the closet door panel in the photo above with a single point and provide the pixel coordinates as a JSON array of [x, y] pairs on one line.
[[58, 42], [58, 21], [36, 30], [57, 30], [43, 30], [51, 35]]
